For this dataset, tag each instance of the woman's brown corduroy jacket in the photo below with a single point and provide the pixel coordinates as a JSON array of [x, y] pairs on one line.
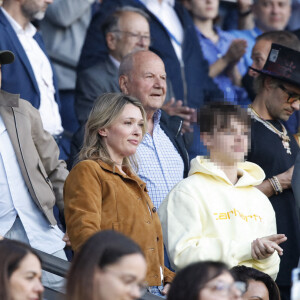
[[98, 197]]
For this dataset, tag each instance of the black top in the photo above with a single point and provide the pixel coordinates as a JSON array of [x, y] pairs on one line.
[[268, 152]]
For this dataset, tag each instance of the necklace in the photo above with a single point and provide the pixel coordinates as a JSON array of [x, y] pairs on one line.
[[283, 135]]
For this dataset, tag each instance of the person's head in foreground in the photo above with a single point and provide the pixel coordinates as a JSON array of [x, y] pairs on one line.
[[260, 286], [206, 280], [20, 272], [114, 129], [277, 86], [224, 130], [109, 266]]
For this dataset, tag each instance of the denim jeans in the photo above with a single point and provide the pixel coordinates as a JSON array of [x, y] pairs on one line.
[[156, 290]]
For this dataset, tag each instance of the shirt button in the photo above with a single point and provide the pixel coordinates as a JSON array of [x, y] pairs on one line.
[[154, 209], [157, 238]]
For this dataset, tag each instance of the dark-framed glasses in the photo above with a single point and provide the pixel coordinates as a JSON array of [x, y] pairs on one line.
[[137, 36], [292, 97]]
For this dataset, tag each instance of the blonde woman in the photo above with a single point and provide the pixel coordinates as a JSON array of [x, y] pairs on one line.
[[103, 192]]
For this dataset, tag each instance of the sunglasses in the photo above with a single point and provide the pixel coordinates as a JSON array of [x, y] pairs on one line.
[[291, 96]]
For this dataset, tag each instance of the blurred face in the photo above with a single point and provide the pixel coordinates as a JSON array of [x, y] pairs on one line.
[[203, 9], [220, 288], [124, 135], [272, 14], [34, 9], [259, 56], [256, 291], [276, 102], [228, 146], [133, 34], [124, 280], [25, 282], [146, 81]]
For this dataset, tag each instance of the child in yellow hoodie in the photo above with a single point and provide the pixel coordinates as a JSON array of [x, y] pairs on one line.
[[216, 213]]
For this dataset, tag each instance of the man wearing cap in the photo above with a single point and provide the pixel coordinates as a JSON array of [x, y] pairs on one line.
[[31, 178], [275, 150]]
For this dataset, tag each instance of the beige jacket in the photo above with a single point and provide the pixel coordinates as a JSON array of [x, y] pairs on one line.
[[37, 153]]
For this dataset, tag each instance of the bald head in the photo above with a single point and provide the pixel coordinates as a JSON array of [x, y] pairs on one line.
[[142, 75]]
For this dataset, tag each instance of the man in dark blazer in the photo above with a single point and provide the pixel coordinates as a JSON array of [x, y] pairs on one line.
[[25, 76], [32, 178], [102, 77]]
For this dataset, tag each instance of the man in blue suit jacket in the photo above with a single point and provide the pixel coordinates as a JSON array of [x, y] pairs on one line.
[[26, 76], [190, 83]]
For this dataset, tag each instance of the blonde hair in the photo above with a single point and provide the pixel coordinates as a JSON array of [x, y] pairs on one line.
[[107, 108]]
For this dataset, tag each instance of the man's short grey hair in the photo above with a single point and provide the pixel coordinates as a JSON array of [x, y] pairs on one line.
[[111, 23], [127, 62]]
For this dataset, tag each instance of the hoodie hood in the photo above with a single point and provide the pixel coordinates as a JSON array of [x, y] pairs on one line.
[[250, 174]]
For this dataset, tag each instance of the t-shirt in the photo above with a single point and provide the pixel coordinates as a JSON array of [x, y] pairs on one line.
[[268, 152]]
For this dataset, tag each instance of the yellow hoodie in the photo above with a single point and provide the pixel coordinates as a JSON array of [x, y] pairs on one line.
[[206, 217]]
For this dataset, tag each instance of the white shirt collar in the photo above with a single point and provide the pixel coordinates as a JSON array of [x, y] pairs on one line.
[[114, 61], [29, 29]]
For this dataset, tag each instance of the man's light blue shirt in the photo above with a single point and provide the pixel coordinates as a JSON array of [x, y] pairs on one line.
[[160, 164]]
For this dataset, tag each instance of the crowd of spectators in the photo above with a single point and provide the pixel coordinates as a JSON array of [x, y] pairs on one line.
[[152, 119]]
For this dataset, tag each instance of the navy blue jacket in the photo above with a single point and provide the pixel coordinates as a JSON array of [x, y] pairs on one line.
[[191, 84], [18, 77]]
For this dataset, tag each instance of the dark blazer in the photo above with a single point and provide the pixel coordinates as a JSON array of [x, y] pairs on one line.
[[18, 77], [37, 153], [190, 84], [93, 82]]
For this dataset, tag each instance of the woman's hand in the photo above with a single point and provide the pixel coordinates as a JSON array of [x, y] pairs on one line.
[[166, 289]]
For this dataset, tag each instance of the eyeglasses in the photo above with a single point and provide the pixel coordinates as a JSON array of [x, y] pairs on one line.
[[136, 36], [291, 96], [225, 288], [127, 280]]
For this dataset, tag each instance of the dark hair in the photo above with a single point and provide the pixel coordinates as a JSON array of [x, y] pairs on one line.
[[11, 255], [189, 281], [102, 249], [243, 273], [111, 23], [219, 115], [281, 37]]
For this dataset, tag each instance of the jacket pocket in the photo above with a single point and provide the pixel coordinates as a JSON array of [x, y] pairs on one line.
[[43, 172]]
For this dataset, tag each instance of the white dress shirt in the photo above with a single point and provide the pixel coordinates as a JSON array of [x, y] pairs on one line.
[[15, 199], [165, 12], [43, 74]]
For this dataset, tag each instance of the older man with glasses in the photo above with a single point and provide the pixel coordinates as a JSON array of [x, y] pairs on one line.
[[126, 30], [275, 149]]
